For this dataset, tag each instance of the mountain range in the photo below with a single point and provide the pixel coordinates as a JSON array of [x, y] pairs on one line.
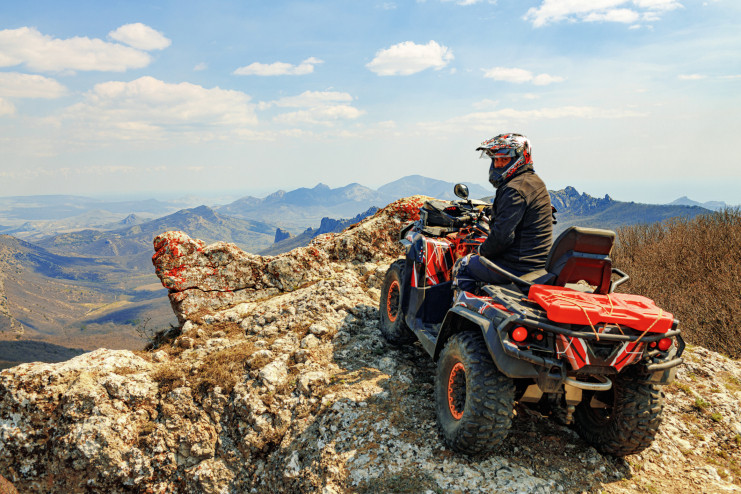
[[86, 279], [712, 205], [301, 207], [584, 210]]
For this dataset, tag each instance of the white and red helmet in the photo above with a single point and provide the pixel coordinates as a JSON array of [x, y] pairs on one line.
[[515, 146]]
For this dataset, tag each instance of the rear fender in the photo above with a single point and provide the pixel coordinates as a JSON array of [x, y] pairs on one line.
[[459, 319]]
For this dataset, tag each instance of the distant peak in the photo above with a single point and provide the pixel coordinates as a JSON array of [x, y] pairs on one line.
[[202, 210]]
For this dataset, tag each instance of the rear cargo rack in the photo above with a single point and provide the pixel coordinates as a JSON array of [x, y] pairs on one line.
[[527, 313]]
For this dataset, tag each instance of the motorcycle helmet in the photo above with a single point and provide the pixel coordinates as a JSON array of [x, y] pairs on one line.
[[513, 146]]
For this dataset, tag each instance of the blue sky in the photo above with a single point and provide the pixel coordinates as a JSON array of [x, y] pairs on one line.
[[639, 99]]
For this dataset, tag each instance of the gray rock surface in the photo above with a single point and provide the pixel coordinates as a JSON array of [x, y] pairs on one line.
[[280, 381]]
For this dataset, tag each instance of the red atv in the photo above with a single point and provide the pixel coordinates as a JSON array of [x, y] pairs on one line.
[[559, 337]]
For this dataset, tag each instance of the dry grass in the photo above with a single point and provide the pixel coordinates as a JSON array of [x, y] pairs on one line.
[[691, 268], [169, 376], [223, 368]]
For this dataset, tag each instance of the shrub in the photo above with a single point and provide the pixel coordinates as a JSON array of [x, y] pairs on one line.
[[691, 268]]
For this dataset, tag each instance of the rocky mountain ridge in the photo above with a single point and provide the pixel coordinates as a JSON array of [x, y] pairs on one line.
[[285, 242], [584, 210], [278, 380]]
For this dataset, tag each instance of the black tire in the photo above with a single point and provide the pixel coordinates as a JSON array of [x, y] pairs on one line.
[[474, 401], [393, 327], [629, 423]]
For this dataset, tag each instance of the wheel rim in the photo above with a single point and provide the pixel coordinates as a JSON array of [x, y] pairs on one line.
[[392, 301], [457, 390]]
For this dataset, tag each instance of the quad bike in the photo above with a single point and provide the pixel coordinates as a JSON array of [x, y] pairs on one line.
[[558, 338]]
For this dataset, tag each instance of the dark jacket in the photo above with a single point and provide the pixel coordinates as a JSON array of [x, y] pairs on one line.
[[521, 224]]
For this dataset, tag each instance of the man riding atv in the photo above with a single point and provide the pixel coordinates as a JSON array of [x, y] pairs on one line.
[[525, 321], [521, 229]]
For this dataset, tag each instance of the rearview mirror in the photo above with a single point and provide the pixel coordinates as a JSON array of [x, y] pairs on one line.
[[461, 190]]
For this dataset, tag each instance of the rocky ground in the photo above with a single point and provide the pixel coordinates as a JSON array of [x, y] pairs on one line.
[[279, 380]]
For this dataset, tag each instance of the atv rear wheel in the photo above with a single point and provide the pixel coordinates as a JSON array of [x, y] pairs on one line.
[[393, 327], [474, 401], [630, 421]]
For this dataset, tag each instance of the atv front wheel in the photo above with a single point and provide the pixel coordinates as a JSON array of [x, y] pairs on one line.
[[629, 421], [393, 327], [474, 401]]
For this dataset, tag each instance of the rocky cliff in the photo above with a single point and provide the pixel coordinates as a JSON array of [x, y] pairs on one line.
[[278, 380]]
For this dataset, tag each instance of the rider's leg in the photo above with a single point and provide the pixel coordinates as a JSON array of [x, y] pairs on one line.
[[468, 270]]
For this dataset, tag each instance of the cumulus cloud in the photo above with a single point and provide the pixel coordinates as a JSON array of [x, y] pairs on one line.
[[279, 68], [484, 120], [464, 2], [519, 76], [623, 11], [16, 85], [6, 108], [626, 16], [409, 58], [140, 36], [40, 52], [316, 107], [313, 99], [323, 115], [147, 108]]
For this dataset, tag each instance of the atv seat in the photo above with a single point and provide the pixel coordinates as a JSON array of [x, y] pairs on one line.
[[577, 254], [582, 254]]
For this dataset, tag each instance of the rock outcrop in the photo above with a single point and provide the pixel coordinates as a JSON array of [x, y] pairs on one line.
[[278, 380], [281, 234]]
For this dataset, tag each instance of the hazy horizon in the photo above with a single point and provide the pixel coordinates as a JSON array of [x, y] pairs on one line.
[[227, 196]]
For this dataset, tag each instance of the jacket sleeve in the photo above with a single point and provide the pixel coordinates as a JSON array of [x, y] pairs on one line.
[[509, 209]]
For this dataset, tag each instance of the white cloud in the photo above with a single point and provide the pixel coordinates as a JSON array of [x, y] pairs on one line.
[[552, 11], [140, 36], [409, 58], [625, 16], [519, 76], [485, 103], [664, 5], [545, 79], [6, 108], [464, 2], [200, 66], [484, 121], [323, 115], [509, 74], [147, 108], [16, 85], [691, 77], [41, 52], [279, 68], [313, 99], [318, 107]]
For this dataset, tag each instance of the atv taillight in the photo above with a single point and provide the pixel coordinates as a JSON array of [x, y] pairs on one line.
[[665, 344], [519, 334]]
